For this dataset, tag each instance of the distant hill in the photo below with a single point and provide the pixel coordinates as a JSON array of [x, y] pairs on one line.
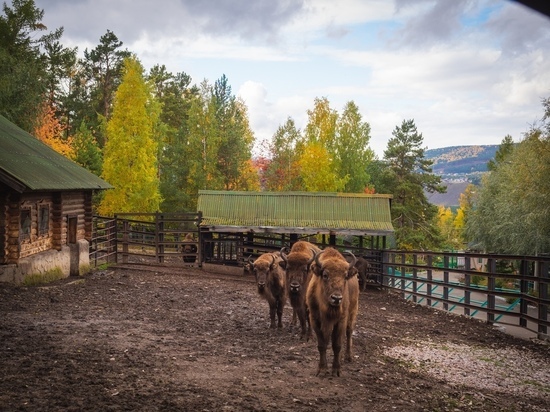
[[458, 166], [451, 197], [461, 160]]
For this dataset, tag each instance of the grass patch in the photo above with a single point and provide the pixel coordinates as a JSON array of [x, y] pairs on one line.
[[42, 278]]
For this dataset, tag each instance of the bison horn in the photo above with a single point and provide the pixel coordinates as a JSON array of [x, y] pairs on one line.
[[316, 258], [250, 260], [283, 253], [353, 260]]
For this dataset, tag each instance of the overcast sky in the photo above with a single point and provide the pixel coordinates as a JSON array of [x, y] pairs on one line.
[[467, 71]]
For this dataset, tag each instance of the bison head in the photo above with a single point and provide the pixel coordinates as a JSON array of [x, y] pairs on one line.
[[297, 266], [333, 271], [261, 269]]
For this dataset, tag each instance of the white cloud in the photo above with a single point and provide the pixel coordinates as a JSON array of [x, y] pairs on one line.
[[467, 71]]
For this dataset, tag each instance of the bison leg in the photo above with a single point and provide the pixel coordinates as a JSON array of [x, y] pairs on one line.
[[349, 344], [272, 310], [322, 343], [280, 307], [294, 317], [337, 334]]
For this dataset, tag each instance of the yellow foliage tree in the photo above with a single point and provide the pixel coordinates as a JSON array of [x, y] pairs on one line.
[[130, 154], [317, 171], [447, 223]]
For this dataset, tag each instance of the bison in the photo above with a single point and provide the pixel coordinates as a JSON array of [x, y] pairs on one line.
[[270, 281], [365, 272], [333, 301], [189, 248], [297, 265]]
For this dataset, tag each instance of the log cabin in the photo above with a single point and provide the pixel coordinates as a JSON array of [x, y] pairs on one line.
[[45, 208]]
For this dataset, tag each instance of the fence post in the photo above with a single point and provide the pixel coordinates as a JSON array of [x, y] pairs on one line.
[[429, 277], [159, 238], [544, 285], [467, 281], [125, 239], [524, 292], [199, 238], [415, 277], [446, 282], [491, 283], [403, 270]]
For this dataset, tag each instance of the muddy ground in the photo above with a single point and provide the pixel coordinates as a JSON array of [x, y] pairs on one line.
[[187, 340]]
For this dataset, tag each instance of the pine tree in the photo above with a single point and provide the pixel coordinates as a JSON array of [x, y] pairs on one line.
[[414, 218]]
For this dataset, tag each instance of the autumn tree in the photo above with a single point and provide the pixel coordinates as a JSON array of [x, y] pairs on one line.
[[130, 154], [315, 170], [449, 232], [351, 149], [50, 131], [318, 162], [282, 172], [410, 176], [465, 202], [511, 212]]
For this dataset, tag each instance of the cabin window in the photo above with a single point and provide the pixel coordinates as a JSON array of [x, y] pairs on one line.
[[44, 222], [25, 223]]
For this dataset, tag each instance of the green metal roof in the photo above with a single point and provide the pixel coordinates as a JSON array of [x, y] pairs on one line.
[[28, 164], [296, 212]]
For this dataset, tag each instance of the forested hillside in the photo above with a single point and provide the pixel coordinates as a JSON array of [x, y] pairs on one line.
[[458, 166], [461, 160]]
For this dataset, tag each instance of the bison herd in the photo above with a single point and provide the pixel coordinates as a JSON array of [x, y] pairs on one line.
[[323, 289]]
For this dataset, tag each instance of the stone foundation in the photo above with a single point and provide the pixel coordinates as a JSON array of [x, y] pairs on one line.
[[72, 260]]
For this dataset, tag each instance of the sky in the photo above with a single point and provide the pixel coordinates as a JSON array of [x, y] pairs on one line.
[[468, 72]]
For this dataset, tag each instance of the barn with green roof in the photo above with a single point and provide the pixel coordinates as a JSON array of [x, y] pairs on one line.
[[238, 223]]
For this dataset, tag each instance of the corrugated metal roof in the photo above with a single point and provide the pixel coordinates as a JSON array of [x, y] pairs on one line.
[[309, 212], [28, 164]]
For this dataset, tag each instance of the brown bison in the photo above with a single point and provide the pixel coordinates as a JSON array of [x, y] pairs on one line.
[[270, 281], [333, 300], [365, 272], [297, 265], [189, 248]]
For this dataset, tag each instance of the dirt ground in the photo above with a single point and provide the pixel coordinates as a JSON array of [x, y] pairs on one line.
[[188, 340]]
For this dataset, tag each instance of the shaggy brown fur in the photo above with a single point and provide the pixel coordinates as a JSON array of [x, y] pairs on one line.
[[333, 301], [270, 281], [297, 265]]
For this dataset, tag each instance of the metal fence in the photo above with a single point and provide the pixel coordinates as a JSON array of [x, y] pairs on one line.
[[499, 289]]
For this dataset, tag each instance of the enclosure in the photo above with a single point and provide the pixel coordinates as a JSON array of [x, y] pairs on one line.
[[184, 339], [511, 291]]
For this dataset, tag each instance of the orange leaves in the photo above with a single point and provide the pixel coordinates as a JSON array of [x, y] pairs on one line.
[[50, 131]]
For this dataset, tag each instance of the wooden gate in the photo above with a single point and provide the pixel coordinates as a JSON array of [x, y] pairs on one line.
[[147, 238]]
